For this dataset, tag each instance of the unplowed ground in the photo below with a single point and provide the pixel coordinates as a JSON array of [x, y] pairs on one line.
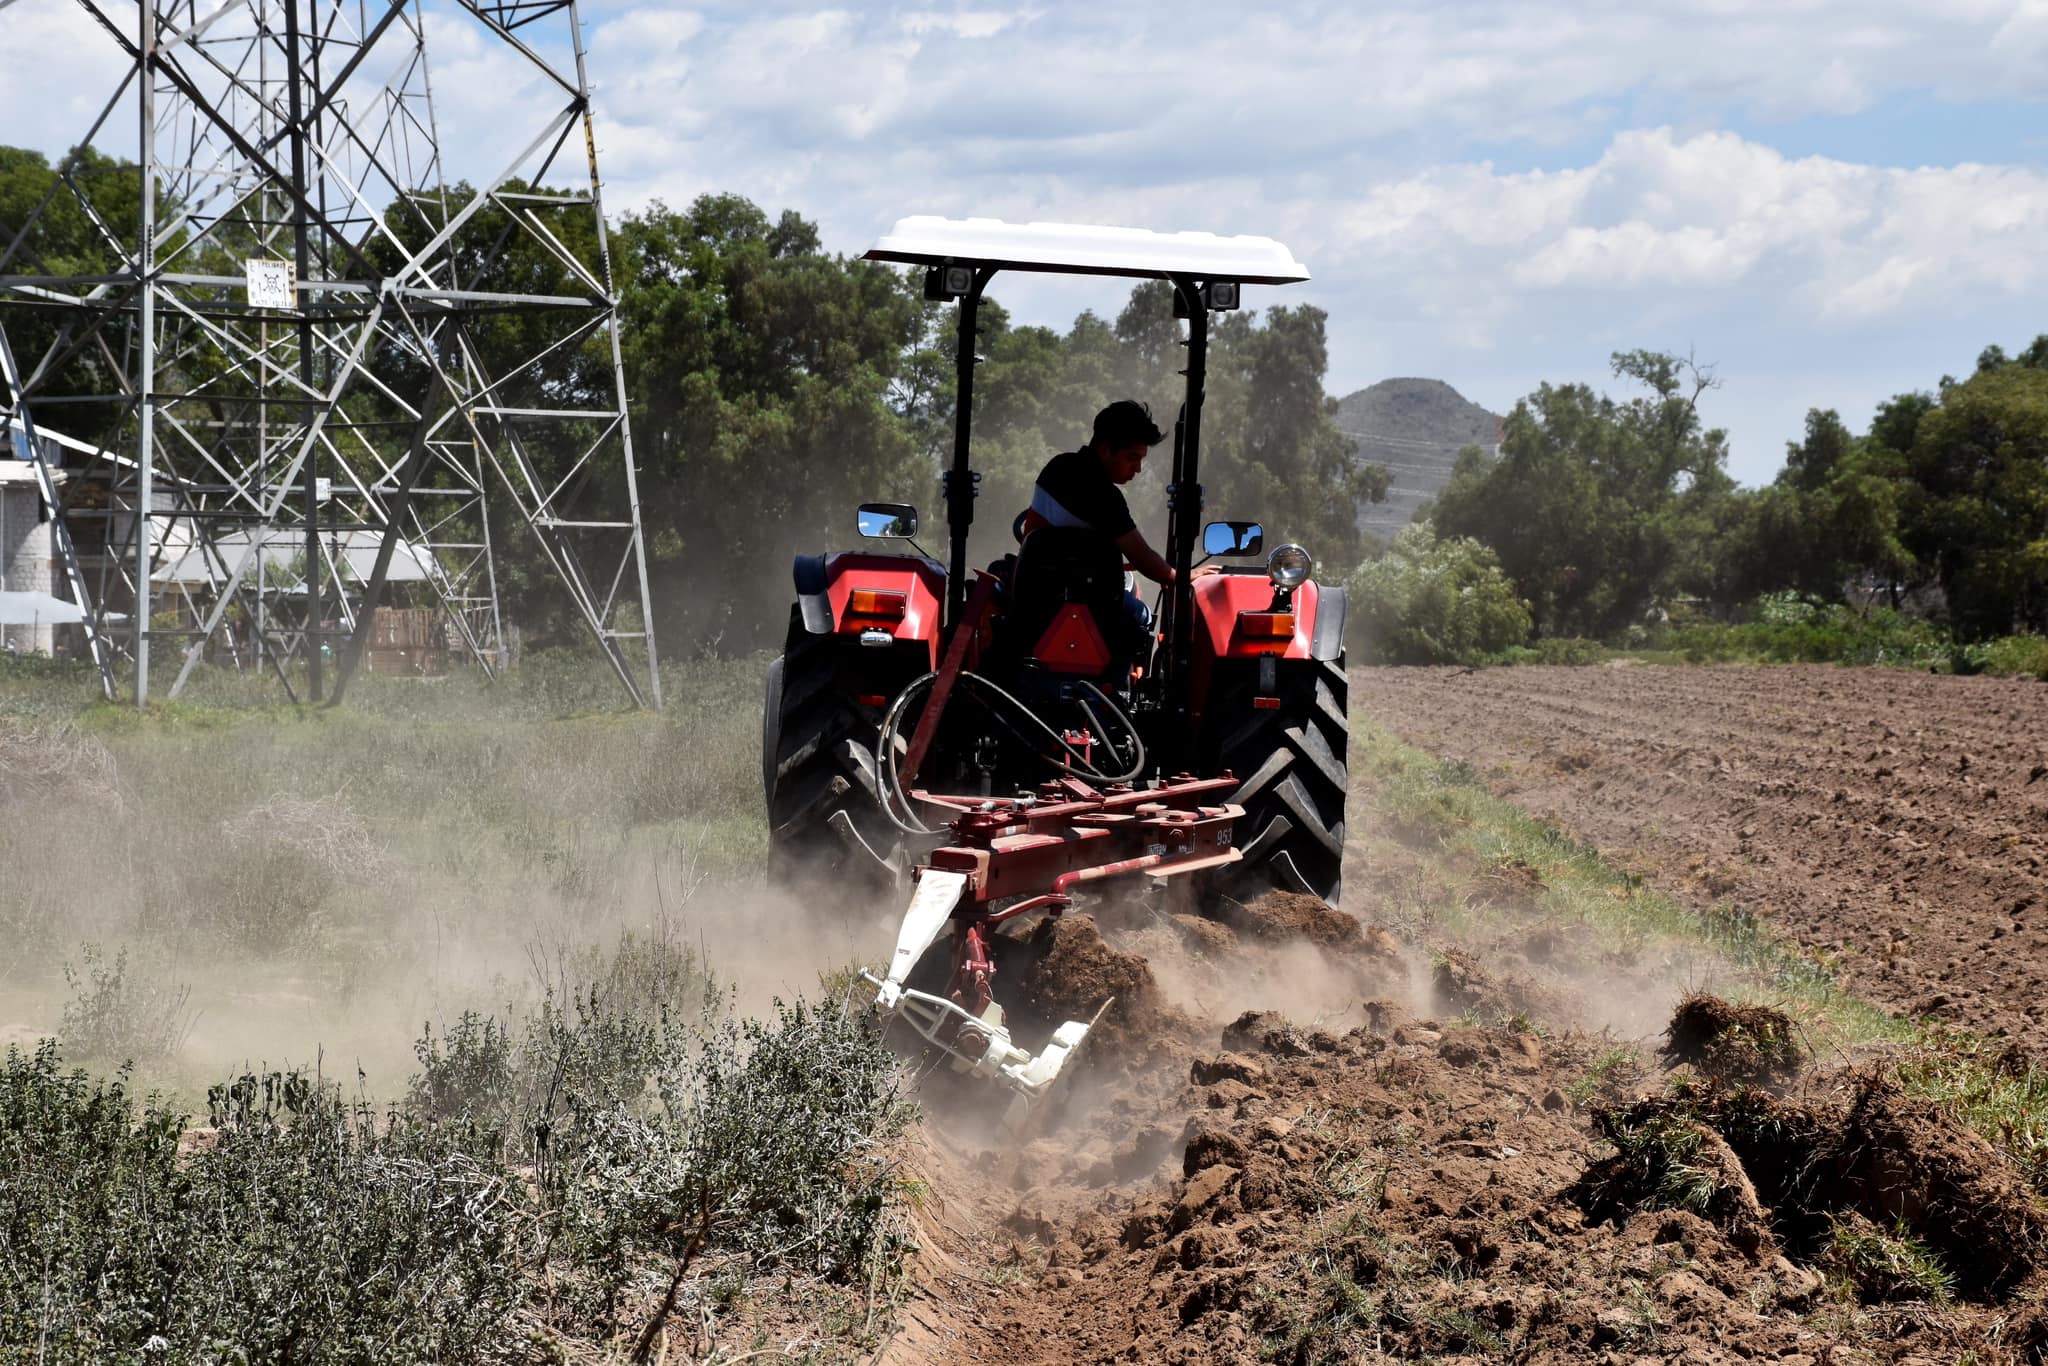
[[1898, 821], [1458, 1138]]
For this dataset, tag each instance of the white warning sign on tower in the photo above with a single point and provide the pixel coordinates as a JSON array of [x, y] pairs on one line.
[[271, 284]]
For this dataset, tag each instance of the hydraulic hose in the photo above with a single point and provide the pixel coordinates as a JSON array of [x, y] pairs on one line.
[[896, 804]]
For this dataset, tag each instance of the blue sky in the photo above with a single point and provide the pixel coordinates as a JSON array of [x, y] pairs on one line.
[[1830, 202]]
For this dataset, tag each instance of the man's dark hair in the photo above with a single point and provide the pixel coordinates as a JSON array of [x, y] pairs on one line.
[[1125, 422]]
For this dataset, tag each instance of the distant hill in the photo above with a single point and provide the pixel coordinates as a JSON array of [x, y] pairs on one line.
[[1414, 427]]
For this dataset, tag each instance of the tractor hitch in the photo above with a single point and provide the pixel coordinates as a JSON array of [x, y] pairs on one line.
[[1015, 856]]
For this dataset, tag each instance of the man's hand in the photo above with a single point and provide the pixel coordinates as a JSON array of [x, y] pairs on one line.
[[1151, 564]]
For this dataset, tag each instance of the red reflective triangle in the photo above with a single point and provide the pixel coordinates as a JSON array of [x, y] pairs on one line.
[[1072, 644]]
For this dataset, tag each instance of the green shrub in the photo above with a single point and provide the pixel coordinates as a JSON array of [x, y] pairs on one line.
[[313, 1230], [1789, 631], [767, 1139], [2026, 655], [308, 1231], [1559, 650], [1430, 601]]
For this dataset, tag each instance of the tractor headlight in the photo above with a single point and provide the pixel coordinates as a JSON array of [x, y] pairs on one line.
[[1289, 567]]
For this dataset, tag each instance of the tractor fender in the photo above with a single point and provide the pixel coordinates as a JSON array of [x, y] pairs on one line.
[[811, 595], [1326, 637], [1221, 599]]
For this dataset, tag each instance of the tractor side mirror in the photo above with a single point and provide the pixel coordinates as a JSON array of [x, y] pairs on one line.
[[887, 519], [1233, 538]]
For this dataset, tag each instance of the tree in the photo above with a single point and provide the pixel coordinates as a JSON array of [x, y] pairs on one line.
[[761, 372], [1591, 502], [1272, 447], [57, 221], [1430, 601], [1975, 508]]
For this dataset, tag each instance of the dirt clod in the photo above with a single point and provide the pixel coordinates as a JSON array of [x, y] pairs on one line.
[[1070, 972], [1205, 938], [1279, 916], [1226, 1066], [1265, 1031], [1739, 1043]]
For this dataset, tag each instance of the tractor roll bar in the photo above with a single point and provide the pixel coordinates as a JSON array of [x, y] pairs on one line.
[[961, 256], [1183, 516], [960, 483], [1183, 494]]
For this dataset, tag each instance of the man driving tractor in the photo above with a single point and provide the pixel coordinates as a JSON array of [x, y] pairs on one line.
[[1006, 741], [1081, 489]]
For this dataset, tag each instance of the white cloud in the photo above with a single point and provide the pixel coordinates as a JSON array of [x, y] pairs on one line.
[[1713, 213], [1391, 146], [963, 23]]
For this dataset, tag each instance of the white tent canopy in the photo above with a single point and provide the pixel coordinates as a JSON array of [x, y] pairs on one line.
[[18, 608], [1083, 250], [355, 552]]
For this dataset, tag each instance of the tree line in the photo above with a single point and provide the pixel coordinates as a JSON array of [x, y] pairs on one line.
[[773, 385], [1609, 519]]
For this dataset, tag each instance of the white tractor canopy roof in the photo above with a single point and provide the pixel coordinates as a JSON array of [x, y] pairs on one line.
[[1080, 249]]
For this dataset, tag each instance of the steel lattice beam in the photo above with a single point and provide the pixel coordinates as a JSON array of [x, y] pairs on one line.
[[390, 405]]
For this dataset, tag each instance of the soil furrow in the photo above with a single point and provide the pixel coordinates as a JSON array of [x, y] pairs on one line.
[[1897, 820]]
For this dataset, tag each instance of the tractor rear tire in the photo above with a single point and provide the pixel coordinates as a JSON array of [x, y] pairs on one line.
[[817, 760], [1294, 770]]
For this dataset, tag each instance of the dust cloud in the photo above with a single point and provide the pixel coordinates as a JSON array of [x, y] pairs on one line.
[[264, 890]]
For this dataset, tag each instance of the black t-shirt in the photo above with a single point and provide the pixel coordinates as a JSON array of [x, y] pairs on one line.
[[1075, 490]]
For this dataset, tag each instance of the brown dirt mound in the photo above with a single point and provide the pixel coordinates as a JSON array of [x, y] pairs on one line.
[[1366, 1197], [1899, 1163], [1205, 938], [1902, 1161], [1279, 916], [1734, 1042], [1514, 886], [1069, 972], [1462, 983]]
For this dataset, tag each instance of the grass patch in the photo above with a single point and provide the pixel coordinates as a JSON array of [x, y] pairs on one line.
[[1991, 1087], [1612, 1075], [342, 865], [1872, 1265]]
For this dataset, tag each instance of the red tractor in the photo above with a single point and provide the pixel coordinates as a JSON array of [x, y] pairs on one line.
[[1006, 733]]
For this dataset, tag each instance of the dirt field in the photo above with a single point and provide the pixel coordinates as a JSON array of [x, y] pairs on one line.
[[1459, 1135], [1893, 820]]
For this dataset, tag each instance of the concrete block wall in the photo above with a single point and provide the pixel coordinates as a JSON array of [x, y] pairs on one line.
[[27, 560]]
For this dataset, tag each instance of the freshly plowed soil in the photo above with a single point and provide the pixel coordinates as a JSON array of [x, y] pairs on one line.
[[1280, 916], [1299, 1138], [1898, 820], [1439, 1175]]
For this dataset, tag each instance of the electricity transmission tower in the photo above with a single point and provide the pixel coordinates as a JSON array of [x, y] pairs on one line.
[[316, 365]]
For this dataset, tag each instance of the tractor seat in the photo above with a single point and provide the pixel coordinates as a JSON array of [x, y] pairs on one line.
[[1062, 567]]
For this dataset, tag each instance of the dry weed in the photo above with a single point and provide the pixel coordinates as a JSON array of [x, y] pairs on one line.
[[55, 765]]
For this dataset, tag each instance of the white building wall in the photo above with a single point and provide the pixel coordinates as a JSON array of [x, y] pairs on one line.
[[27, 558]]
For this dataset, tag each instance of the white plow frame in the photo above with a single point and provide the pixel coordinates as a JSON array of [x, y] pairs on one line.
[[1031, 1077]]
